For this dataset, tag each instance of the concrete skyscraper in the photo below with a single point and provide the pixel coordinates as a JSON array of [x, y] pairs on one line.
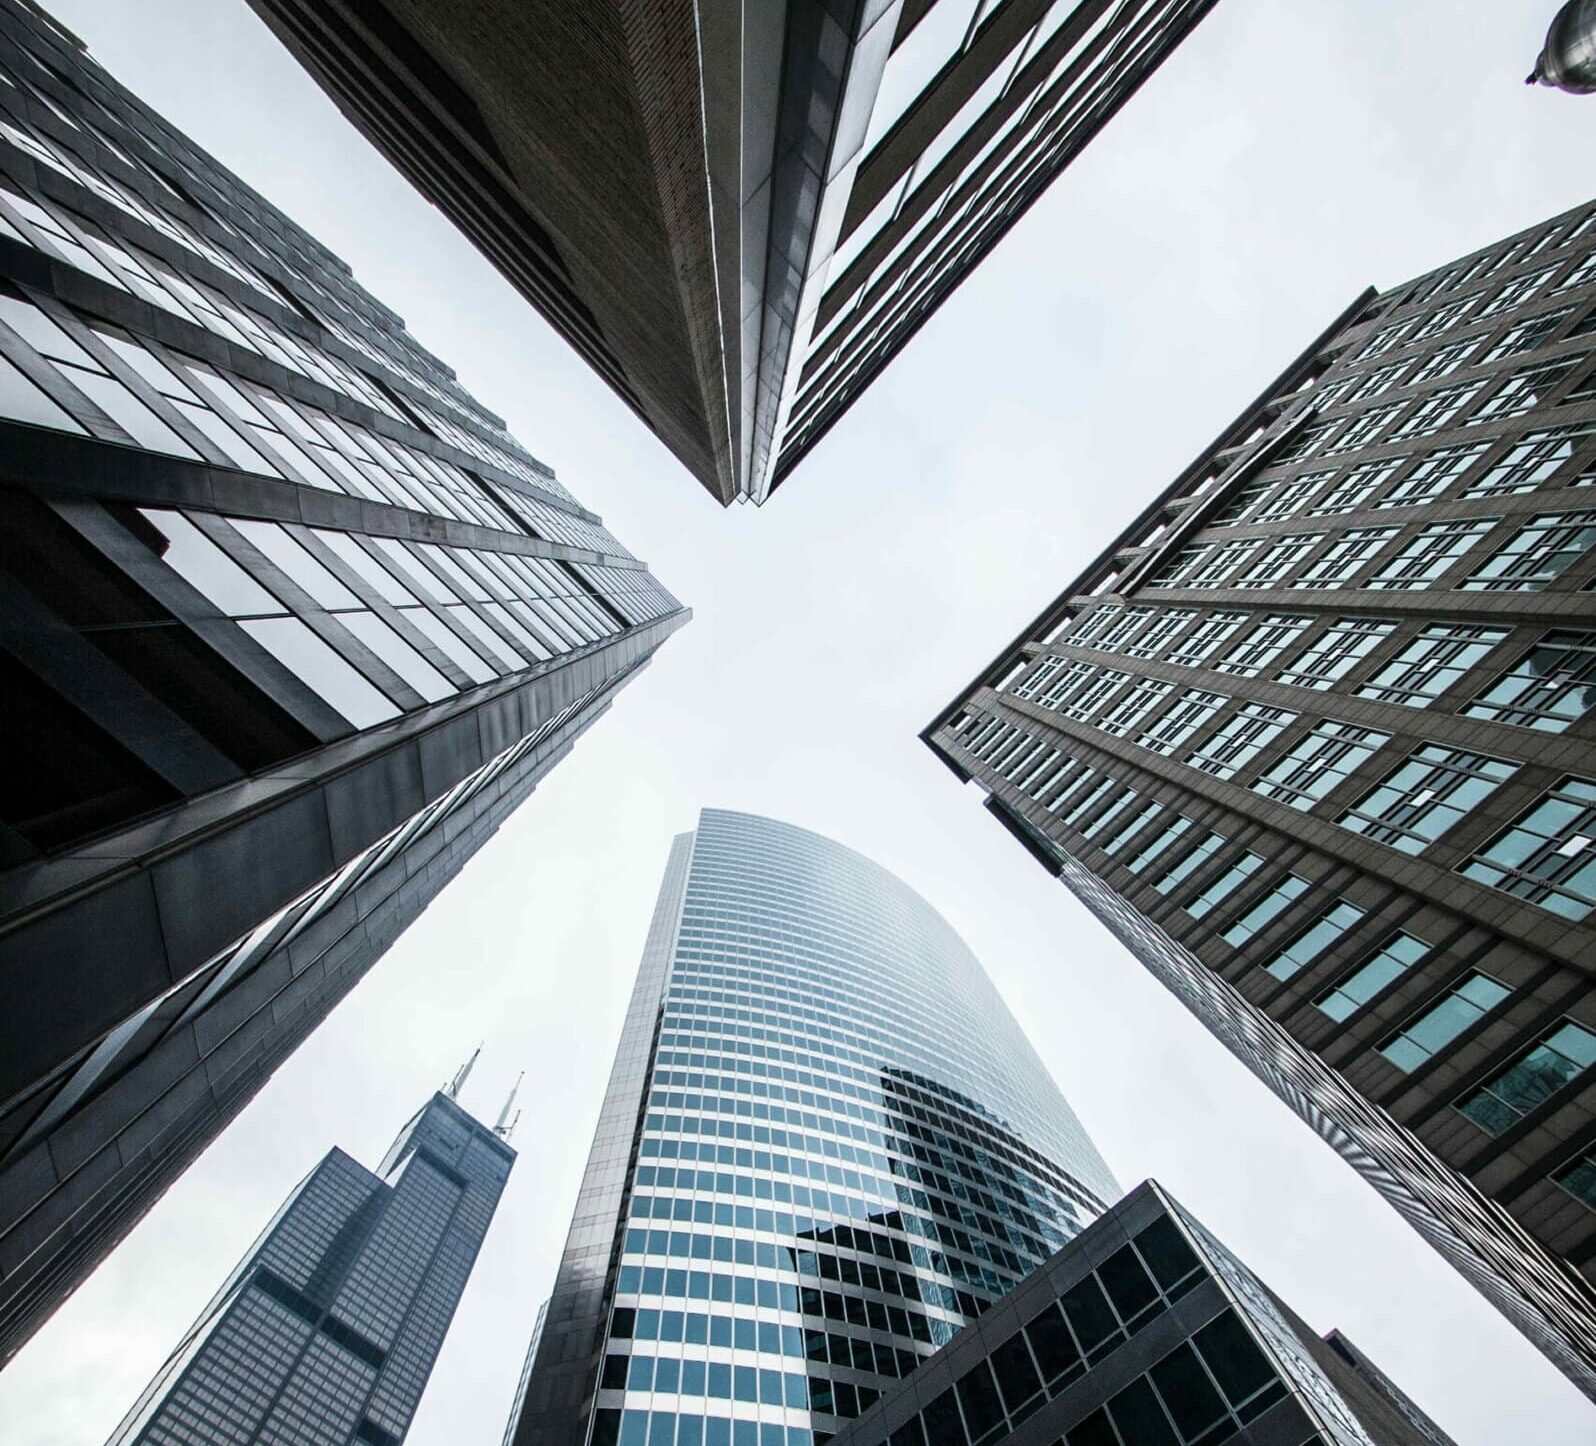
[[737, 214], [825, 1146], [1313, 737], [326, 1333], [288, 625]]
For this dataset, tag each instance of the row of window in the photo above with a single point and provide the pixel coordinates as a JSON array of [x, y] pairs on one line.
[[1538, 458], [47, 224], [1550, 686], [1546, 856], [1531, 558]]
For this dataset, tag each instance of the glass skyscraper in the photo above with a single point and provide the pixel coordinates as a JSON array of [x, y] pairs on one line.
[[326, 1333], [289, 624], [825, 1147], [1314, 738], [737, 214]]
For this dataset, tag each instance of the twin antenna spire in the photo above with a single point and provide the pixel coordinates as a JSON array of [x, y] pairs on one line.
[[504, 1127]]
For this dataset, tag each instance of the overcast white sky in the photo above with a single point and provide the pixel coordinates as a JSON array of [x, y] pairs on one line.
[[1287, 156]]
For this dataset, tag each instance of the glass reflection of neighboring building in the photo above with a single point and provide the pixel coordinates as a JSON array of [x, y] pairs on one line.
[[826, 1145]]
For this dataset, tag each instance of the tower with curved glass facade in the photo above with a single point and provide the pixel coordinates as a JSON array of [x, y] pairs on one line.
[[826, 1145]]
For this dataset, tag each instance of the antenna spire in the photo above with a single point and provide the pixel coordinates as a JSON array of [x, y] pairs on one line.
[[500, 1129], [453, 1088]]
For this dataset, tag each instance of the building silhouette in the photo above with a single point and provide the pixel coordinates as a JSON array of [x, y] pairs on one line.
[[736, 214], [326, 1333], [1313, 738], [825, 1146], [1145, 1331], [290, 625]]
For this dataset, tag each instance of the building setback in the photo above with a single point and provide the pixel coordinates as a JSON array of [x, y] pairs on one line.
[[289, 624], [737, 214], [326, 1333], [1145, 1331], [1313, 738], [825, 1146]]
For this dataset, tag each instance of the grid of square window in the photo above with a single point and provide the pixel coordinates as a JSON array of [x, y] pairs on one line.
[[822, 1193]]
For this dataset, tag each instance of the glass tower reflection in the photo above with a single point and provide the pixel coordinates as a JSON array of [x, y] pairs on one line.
[[826, 1145]]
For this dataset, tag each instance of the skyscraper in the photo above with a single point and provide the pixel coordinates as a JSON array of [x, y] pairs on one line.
[[826, 1145], [737, 214], [288, 625], [1313, 738], [326, 1333], [1145, 1331]]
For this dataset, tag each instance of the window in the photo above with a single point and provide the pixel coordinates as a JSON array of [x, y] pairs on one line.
[[1133, 706], [1241, 740], [1034, 681], [1206, 639], [1151, 643], [1429, 665], [1314, 940], [1434, 474], [1288, 497], [1345, 557], [1131, 825], [1240, 502], [1091, 689], [1534, 460], [1337, 652], [1578, 1177], [1189, 712], [1527, 335], [1265, 911], [1439, 1025], [1526, 389], [1443, 361], [1159, 843], [1389, 963], [1550, 687], [1184, 868], [1271, 637], [1425, 796], [1276, 562], [1539, 554], [1214, 568], [1361, 430], [1438, 410], [1180, 566], [1123, 800], [1532, 1079], [1546, 857], [1355, 486], [1430, 552], [1114, 625], [1225, 885], [1317, 762]]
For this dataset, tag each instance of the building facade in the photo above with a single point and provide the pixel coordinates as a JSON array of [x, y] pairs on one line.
[[288, 625], [326, 1333], [826, 1145], [1313, 738], [1145, 1331], [737, 214]]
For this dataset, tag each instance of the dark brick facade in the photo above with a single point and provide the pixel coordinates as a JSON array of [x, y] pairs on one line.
[[1313, 736]]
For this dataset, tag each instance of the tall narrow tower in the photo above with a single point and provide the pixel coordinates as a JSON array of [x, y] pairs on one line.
[[289, 624], [327, 1332], [826, 1145]]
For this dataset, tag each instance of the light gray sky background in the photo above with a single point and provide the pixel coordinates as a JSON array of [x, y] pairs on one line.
[[1287, 156]]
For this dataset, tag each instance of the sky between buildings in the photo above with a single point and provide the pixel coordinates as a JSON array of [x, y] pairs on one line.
[[1288, 155]]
